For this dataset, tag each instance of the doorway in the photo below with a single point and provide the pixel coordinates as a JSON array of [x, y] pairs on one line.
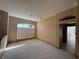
[[71, 38], [68, 37]]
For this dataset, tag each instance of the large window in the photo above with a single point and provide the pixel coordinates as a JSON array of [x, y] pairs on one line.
[[25, 30], [25, 25]]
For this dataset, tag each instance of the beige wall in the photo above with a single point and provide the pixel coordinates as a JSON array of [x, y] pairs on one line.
[[3, 45], [13, 21], [3, 23], [48, 29], [70, 12], [3, 31]]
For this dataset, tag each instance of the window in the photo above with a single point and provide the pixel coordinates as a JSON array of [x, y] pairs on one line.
[[25, 26], [25, 30]]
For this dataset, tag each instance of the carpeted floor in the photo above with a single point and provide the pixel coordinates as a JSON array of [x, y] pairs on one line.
[[35, 49]]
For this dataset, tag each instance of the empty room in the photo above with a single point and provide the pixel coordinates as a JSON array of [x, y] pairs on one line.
[[39, 29]]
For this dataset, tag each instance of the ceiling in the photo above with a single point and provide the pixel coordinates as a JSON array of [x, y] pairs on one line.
[[35, 9]]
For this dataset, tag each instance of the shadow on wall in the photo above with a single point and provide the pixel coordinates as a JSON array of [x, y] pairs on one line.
[[3, 45]]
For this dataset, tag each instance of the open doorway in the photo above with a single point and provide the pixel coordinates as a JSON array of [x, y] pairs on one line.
[[68, 37], [71, 38]]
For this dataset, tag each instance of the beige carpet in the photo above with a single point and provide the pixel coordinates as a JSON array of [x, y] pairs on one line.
[[35, 49]]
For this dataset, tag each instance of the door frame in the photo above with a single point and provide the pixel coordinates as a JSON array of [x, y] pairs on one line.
[[63, 33]]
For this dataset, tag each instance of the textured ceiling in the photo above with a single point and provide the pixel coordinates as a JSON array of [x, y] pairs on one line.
[[35, 9]]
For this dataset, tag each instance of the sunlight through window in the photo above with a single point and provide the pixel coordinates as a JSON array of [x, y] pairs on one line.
[[25, 26]]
